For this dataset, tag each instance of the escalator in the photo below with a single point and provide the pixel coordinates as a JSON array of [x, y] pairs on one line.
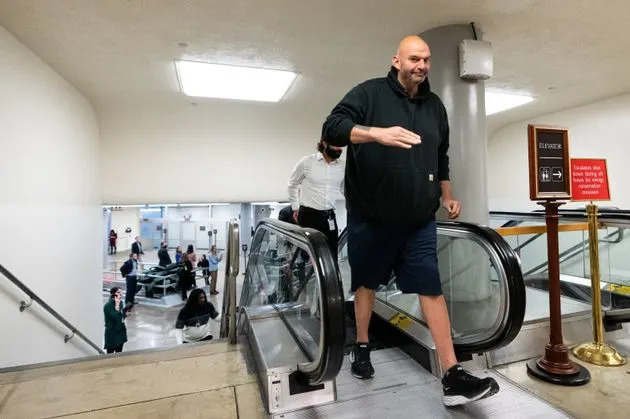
[[294, 311], [482, 285]]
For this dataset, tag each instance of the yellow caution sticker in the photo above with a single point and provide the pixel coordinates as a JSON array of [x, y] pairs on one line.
[[618, 289], [401, 321]]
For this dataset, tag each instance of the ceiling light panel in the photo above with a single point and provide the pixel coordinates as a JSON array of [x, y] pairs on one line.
[[498, 102], [233, 82]]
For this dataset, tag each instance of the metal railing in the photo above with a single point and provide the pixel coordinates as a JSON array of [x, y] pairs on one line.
[[35, 298], [228, 311], [112, 272], [575, 251], [608, 218]]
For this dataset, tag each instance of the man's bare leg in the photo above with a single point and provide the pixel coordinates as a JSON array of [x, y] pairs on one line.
[[363, 306], [436, 313]]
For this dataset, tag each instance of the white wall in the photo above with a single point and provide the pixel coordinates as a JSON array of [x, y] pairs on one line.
[[200, 214], [598, 130], [121, 219], [176, 154], [50, 215]]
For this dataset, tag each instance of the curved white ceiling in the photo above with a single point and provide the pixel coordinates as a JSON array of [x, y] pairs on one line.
[[564, 52]]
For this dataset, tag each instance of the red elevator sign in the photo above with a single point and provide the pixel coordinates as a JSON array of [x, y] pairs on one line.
[[589, 180]]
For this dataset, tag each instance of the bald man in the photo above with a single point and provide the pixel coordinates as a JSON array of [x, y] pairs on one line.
[[397, 169]]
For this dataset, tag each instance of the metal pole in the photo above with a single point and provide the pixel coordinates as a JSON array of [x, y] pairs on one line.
[[228, 320], [593, 249], [234, 268], [597, 352]]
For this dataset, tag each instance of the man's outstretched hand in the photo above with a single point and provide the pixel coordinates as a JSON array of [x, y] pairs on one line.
[[395, 137]]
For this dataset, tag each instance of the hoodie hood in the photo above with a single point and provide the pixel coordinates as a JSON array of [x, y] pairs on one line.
[[423, 89]]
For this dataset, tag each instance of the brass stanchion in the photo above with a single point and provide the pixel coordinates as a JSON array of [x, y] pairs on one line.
[[596, 352]]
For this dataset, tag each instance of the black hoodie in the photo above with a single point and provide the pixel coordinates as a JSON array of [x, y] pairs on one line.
[[390, 185]]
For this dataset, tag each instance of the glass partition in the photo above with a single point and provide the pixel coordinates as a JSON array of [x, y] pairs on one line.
[[574, 259], [291, 274]]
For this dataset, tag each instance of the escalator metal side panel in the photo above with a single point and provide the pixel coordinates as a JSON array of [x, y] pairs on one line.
[[412, 328], [276, 356]]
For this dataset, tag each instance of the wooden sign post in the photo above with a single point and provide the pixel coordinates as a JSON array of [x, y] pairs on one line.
[[549, 182]]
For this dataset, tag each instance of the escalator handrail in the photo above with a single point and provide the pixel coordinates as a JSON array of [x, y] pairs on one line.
[[328, 363], [618, 315], [510, 324]]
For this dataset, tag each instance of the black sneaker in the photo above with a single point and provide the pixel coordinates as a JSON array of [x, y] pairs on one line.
[[361, 365], [461, 387]]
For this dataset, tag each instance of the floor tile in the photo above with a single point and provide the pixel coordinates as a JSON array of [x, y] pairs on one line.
[[604, 397], [208, 404], [249, 401], [104, 388], [118, 360]]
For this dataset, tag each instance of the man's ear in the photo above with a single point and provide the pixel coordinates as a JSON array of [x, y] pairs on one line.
[[396, 62]]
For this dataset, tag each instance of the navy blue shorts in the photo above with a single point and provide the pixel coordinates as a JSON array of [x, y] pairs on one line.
[[375, 251]]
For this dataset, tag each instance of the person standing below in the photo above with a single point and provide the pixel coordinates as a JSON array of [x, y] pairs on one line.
[[204, 264], [136, 247], [192, 256], [186, 275], [113, 237], [130, 271], [178, 254], [213, 267], [115, 329], [397, 135], [314, 186], [286, 215], [163, 256]]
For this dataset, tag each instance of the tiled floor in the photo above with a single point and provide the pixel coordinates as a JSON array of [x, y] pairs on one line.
[[153, 327], [604, 397]]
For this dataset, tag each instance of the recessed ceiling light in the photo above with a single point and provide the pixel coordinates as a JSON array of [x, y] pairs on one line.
[[233, 82], [499, 102], [195, 205]]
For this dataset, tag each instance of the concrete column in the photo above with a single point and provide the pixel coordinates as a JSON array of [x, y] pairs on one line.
[[465, 104]]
